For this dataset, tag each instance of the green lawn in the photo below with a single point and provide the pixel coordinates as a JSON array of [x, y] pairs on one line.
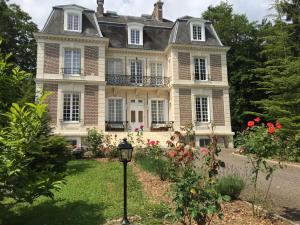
[[93, 194]]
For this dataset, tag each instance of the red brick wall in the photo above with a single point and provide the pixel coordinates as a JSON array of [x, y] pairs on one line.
[[184, 65], [216, 67], [51, 100], [91, 57], [218, 107], [91, 105], [51, 59], [185, 106]]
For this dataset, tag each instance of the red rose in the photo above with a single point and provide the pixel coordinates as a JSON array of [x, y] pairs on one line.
[[152, 143], [136, 129], [250, 123], [278, 125], [270, 124], [257, 119], [271, 130]]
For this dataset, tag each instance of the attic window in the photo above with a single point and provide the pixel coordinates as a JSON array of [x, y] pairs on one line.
[[73, 20], [135, 34], [197, 31]]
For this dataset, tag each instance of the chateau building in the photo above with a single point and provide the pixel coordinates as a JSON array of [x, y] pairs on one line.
[[117, 73]]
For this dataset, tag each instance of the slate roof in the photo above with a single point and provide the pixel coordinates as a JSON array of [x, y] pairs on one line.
[[157, 34]]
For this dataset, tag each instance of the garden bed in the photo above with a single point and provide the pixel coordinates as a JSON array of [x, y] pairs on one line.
[[235, 213]]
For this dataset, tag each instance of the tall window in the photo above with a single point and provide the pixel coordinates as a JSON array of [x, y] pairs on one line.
[[200, 69], [135, 37], [157, 111], [114, 66], [202, 109], [136, 69], [156, 73], [72, 61], [71, 107], [197, 32], [73, 22], [115, 110]]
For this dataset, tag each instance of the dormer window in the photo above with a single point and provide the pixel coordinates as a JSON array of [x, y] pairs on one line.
[[135, 34], [73, 20], [197, 31]]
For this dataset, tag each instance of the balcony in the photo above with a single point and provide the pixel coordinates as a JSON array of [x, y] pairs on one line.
[[135, 81]]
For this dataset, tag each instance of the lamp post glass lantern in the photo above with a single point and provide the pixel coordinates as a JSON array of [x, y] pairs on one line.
[[125, 155]]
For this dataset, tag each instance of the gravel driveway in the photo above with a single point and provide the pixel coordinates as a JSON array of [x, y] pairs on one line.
[[284, 197]]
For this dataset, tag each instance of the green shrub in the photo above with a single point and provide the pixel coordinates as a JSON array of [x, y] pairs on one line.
[[231, 186], [156, 166]]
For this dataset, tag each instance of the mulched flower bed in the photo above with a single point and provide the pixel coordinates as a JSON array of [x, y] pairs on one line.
[[235, 213]]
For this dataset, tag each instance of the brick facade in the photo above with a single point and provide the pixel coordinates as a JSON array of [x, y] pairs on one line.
[[216, 67], [51, 100], [218, 107], [91, 56], [185, 102], [91, 105], [51, 59], [184, 65]]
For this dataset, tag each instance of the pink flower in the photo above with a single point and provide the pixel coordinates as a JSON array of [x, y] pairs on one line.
[[257, 119], [142, 127], [152, 143], [270, 124], [278, 125], [136, 129], [271, 130], [204, 151], [172, 154]]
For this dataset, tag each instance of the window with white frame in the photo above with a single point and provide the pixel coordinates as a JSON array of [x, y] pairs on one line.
[[135, 34], [136, 70], [197, 31], [157, 111], [114, 66], [156, 73], [202, 109], [72, 61], [200, 69], [115, 110], [71, 108], [73, 22]]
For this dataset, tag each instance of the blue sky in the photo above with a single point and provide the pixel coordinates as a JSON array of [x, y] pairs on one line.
[[40, 9]]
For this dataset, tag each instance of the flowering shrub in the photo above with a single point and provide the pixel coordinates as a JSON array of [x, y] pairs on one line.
[[110, 146], [194, 195], [259, 142]]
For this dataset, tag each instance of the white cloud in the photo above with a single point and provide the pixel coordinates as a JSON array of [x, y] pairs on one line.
[[39, 10]]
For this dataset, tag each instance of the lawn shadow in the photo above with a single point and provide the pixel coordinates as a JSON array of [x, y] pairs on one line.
[[79, 166], [57, 213], [291, 213]]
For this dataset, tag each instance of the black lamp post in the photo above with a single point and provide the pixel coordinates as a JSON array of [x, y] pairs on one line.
[[125, 154]]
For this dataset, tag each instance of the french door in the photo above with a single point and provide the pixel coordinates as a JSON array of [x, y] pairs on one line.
[[136, 113], [136, 69]]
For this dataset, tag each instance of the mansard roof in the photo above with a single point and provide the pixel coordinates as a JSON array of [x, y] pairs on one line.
[[157, 34]]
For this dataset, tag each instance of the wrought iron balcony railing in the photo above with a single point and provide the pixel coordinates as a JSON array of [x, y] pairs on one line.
[[145, 81]]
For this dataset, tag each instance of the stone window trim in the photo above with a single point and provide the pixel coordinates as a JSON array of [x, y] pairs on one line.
[[199, 28], [199, 99], [123, 113], [73, 14], [134, 29], [198, 77], [165, 109], [72, 114], [62, 58]]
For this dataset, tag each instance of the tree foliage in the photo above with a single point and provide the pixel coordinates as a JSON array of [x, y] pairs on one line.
[[17, 32], [16, 85], [32, 162], [242, 36]]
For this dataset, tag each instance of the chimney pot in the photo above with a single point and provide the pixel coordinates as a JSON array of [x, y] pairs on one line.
[[158, 11], [100, 8]]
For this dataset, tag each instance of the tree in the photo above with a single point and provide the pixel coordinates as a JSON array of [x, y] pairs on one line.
[[17, 32], [32, 162], [281, 73], [243, 39], [16, 85]]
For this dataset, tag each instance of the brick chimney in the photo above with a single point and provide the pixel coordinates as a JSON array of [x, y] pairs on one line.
[[100, 8], [158, 11]]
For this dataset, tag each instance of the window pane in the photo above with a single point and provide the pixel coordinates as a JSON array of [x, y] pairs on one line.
[[154, 111], [141, 116], [157, 111], [111, 110], [202, 69], [114, 66], [75, 107], [119, 110], [70, 22], [197, 74], [132, 116], [160, 111], [115, 110], [67, 107], [197, 32], [137, 37], [204, 110], [76, 61], [198, 110], [132, 36], [76, 22], [71, 111]]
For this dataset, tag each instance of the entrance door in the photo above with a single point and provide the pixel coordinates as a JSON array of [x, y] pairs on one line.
[[136, 113]]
